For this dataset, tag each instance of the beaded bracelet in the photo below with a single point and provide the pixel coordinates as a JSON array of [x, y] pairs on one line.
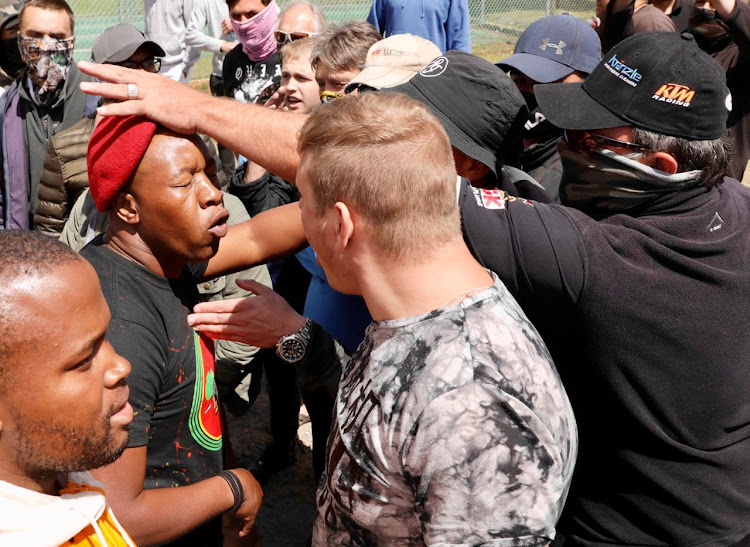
[[237, 491]]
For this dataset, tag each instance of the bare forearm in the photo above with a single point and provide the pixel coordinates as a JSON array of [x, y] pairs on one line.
[[265, 137], [270, 235], [164, 514]]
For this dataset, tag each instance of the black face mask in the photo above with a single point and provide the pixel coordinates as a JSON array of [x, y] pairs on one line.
[[538, 129], [530, 99], [709, 30], [10, 58]]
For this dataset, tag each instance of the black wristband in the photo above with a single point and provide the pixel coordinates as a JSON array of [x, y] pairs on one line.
[[237, 491]]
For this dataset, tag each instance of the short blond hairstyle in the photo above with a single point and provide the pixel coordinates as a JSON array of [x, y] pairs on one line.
[[387, 157], [299, 49], [345, 47]]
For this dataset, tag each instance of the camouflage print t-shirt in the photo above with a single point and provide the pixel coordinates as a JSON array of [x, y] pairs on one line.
[[451, 427]]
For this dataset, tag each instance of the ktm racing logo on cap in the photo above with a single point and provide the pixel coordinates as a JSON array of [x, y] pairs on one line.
[[677, 94]]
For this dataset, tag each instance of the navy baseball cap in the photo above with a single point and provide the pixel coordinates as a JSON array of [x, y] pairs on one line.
[[658, 81], [553, 47]]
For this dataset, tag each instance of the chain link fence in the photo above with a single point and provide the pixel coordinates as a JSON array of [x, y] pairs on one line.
[[496, 24]]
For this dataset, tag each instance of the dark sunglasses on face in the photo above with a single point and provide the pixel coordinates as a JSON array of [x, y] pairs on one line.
[[289, 37], [362, 88], [149, 65], [586, 142]]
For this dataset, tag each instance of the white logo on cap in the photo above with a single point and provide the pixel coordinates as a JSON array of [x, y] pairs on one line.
[[558, 47], [435, 68], [728, 102]]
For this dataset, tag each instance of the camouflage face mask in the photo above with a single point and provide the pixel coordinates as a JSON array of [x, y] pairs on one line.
[[49, 61]]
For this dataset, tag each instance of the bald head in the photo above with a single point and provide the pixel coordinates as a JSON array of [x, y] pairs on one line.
[[302, 17]]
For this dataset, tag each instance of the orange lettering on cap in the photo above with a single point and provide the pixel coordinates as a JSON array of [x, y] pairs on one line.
[[675, 92]]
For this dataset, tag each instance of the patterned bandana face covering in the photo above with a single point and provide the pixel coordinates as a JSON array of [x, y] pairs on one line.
[[604, 183], [49, 61], [256, 34]]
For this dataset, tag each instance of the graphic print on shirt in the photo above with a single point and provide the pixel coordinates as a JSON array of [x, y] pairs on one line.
[[205, 422], [256, 78]]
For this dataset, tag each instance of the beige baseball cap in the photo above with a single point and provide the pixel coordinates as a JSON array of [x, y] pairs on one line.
[[396, 60]]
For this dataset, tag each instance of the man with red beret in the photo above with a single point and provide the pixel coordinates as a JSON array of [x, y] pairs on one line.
[[165, 211]]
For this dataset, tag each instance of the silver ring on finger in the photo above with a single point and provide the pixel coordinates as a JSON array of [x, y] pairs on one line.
[[132, 91]]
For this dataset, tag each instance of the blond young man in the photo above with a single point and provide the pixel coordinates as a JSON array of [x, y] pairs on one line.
[[451, 423], [301, 92], [341, 55]]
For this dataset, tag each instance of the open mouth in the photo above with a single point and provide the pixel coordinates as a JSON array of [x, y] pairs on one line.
[[293, 102], [219, 226]]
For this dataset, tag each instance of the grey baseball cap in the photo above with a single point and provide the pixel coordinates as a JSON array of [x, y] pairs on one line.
[[118, 43]]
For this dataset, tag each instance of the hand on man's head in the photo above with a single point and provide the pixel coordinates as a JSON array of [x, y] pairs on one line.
[[165, 101]]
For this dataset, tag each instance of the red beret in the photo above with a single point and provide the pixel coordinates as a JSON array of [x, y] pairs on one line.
[[115, 149]]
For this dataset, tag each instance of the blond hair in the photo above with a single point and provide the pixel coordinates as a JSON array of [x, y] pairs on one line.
[[299, 49], [387, 157], [345, 47]]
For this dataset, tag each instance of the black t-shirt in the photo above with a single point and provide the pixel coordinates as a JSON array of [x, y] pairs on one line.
[[172, 385], [647, 319], [244, 79]]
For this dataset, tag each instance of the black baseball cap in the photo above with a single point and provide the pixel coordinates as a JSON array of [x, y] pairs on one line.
[[117, 43], [658, 81], [479, 106]]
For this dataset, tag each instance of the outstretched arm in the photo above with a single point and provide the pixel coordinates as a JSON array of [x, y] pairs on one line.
[[265, 136], [260, 321], [270, 235]]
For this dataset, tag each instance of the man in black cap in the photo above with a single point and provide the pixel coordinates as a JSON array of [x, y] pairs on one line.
[[639, 295], [483, 114], [643, 308], [64, 177]]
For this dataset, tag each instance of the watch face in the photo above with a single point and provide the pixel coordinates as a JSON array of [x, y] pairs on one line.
[[292, 350]]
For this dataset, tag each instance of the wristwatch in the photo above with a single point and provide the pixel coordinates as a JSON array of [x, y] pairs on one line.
[[293, 347]]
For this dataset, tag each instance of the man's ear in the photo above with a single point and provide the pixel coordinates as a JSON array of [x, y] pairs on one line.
[[345, 225], [661, 161], [126, 208]]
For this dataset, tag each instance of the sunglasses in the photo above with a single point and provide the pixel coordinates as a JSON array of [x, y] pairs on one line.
[[149, 65], [362, 88], [328, 96], [583, 141], [289, 37]]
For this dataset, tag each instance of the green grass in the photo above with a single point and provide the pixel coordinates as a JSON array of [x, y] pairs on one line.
[[496, 24]]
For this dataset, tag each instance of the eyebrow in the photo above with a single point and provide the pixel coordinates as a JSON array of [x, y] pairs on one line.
[[36, 34], [84, 349]]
